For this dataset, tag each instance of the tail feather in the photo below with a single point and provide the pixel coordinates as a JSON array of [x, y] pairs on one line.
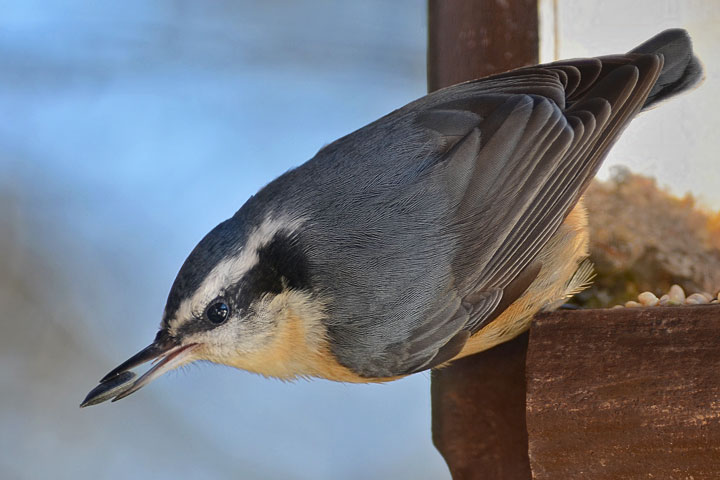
[[681, 70]]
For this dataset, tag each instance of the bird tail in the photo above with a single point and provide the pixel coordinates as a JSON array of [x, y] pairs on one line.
[[681, 69]]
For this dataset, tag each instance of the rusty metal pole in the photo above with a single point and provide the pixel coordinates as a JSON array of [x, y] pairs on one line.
[[478, 403]]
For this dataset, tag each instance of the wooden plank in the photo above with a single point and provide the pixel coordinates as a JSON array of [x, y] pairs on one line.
[[479, 402], [469, 39], [478, 406], [625, 394]]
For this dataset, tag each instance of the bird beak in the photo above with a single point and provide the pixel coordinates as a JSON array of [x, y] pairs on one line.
[[167, 355]]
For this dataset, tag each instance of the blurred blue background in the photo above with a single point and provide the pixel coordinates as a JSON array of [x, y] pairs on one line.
[[127, 131]]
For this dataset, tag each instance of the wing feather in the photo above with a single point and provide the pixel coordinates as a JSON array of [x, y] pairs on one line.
[[520, 167]]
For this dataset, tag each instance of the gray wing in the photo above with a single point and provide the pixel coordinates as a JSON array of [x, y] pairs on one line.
[[516, 175], [512, 153], [435, 213]]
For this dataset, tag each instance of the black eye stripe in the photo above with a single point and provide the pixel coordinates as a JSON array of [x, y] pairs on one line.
[[281, 262]]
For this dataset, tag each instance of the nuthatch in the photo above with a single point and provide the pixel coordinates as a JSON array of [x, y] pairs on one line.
[[433, 233]]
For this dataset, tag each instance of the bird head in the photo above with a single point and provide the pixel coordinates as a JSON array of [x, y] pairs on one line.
[[242, 298]]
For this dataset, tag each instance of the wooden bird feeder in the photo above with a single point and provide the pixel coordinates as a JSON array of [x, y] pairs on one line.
[[587, 394]]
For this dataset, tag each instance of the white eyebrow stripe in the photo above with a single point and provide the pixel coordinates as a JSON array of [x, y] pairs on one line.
[[230, 270]]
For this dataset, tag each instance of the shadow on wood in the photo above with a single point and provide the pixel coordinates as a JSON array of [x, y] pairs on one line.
[[478, 408]]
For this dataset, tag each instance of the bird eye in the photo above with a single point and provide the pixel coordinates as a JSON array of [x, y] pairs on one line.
[[218, 312]]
